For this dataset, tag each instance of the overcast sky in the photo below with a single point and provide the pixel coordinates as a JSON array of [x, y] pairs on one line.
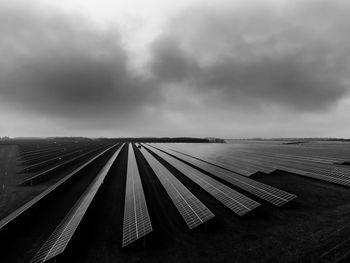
[[231, 69]]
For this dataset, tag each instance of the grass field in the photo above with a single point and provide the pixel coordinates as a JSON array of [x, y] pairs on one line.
[[313, 227]]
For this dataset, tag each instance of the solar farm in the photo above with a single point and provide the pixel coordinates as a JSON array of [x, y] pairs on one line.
[[109, 200]]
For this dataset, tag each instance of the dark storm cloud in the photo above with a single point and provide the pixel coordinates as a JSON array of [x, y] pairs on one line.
[[293, 54], [212, 68], [61, 64]]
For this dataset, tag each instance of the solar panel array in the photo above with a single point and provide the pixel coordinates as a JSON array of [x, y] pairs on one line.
[[239, 164], [316, 172], [235, 201], [41, 174], [34, 165], [50, 189], [192, 210], [232, 163], [305, 167], [137, 222], [268, 193], [314, 160], [58, 241]]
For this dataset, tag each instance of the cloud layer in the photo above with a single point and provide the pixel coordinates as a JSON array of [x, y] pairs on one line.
[[232, 61], [60, 64], [293, 55]]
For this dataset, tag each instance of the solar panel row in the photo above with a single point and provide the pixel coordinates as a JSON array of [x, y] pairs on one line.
[[238, 165], [47, 161], [268, 193], [58, 241], [37, 177], [136, 222], [329, 173], [50, 189], [274, 157], [235, 201], [193, 211], [254, 165]]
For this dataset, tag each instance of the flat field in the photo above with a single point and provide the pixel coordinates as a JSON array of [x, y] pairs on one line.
[[311, 228]]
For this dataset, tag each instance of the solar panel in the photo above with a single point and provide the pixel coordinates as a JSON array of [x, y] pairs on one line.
[[300, 169], [137, 222], [251, 166], [47, 161], [236, 165], [316, 161], [308, 161], [50, 189], [58, 241], [241, 166], [324, 172], [232, 199], [66, 149], [266, 192], [192, 210], [42, 174], [40, 157]]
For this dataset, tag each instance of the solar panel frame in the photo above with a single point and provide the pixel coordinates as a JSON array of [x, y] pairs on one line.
[[136, 222], [298, 160], [37, 165], [60, 237], [308, 170], [41, 174], [192, 210], [36, 159], [238, 165], [266, 192], [235, 201], [8, 219]]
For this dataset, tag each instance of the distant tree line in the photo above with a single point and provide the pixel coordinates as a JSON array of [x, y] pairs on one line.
[[162, 139], [303, 140], [21, 140]]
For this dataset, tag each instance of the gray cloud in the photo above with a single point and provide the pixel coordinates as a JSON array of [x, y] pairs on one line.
[[212, 68], [171, 63], [293, 54], [61, 64]]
